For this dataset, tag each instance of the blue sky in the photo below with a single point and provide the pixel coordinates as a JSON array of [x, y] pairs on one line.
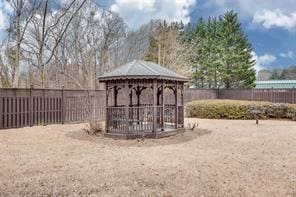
[[269, 24]]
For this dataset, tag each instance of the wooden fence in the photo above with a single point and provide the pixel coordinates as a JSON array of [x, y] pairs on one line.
[[271, 95], [28, 107]]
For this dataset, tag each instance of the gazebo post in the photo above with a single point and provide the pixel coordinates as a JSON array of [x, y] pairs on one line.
[[154, 105], [106, 108], [131, 97], [138, 93], [126, 106], [162, 103], [115, 95], [182, 103], [176, 105]]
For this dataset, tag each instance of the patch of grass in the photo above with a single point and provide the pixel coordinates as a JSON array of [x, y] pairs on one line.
[[235, 109], [94, 127]]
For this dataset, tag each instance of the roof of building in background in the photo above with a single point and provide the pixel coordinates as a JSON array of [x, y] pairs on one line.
[[141, 69], [276, 84]]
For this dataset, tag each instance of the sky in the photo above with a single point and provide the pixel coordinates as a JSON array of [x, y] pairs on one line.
[[270, 25]]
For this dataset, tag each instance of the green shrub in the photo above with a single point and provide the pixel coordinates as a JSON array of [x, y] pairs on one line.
[[291, 112], [234, 109]]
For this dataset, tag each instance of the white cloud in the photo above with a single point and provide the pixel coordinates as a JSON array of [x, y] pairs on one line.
[[275, 18], [247, 8], [262, 61], [269, 13], [138, 12], [289, 54]]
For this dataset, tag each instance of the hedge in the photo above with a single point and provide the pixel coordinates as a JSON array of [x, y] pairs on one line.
[[235, 109]]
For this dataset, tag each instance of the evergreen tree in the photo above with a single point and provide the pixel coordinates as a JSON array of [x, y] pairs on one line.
[[237, 68], [221, 56], [199, 53]]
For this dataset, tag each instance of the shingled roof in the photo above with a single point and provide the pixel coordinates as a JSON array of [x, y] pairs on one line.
[[143, 70]]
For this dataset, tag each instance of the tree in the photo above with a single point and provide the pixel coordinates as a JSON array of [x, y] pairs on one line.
[[5, 59], [166, 47], [289, 73], [279, 74], [221, 54], [263, 75], [199, 53], [238, 71], [23, 12], [45, 32]]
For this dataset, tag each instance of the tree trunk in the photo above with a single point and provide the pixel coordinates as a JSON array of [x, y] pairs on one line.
[[159, 50], [15, 72]]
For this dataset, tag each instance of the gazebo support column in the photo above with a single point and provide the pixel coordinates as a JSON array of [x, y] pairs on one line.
[[162, 103], [182, 103], [131, 97], [126, 106], [176, 105], [154, 105], [106, 108], [115, 95], [138, 94]]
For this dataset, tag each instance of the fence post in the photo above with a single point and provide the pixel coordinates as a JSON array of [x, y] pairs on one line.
[[293, 95], [1, 110], [63, 105], [44, 117], [272, 94], [252, 94], [218, 93], [31, 106]]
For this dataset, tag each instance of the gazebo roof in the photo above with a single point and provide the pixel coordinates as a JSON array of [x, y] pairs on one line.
[[139, 69]]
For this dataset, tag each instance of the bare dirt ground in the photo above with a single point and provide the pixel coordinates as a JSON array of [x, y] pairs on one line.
[[223, 158]]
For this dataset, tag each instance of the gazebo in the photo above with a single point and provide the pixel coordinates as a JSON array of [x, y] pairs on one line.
[[143, 99]]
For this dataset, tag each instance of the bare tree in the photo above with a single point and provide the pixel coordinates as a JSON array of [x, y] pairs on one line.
[[73, 42], [167, 48], [22, 14], [136, 43], [88, 48], [45, 32]]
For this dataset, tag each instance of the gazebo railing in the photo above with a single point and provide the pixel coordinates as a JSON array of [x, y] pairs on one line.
[[115, 120], [140, 118], [169, 114]]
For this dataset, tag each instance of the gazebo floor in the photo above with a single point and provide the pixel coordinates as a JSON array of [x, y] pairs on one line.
[[145, 134]]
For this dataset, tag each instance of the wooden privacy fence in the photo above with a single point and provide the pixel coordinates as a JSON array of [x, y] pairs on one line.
[[28, 107], [271, 95], [199, 94]]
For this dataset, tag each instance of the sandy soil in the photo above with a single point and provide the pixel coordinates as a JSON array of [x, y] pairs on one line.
[[223, 158]]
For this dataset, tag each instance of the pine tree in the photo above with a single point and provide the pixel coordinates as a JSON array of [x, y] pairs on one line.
[[199, 53], [221, 56], [237, 69]]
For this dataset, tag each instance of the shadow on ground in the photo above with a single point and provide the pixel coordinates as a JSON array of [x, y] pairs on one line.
[[186, 136]]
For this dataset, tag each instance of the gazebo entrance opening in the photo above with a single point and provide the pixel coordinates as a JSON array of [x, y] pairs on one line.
[[138, 105]]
